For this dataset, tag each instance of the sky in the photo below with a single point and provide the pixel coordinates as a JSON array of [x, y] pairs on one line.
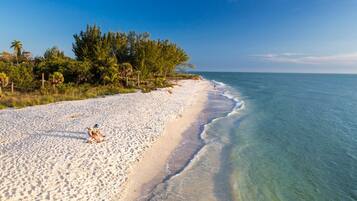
[[309, 36]]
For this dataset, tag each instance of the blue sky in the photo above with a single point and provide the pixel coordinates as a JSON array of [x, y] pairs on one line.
[[219, 35]]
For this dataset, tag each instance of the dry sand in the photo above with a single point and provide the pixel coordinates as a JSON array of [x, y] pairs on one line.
[[43, 154]]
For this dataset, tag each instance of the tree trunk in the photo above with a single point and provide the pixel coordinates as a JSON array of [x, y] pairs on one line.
[[12, 87], [127, 82], [138, 79]]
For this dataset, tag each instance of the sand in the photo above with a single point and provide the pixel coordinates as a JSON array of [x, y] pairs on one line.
[[43, 154], [152, 168]]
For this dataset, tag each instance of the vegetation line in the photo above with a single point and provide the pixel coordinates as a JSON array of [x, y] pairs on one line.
[[105, 63]]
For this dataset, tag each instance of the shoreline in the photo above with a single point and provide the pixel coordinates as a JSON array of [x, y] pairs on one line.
[[151, 169], [187, 163]]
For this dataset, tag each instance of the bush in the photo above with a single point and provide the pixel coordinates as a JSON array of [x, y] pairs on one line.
[[21, 75], [4, 80], [56, 78]]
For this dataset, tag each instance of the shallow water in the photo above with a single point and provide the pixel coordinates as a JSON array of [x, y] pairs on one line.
[[290, 137], [185, 153]]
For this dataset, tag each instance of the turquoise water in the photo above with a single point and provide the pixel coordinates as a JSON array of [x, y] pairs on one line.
[[296, 138], [290, 137]]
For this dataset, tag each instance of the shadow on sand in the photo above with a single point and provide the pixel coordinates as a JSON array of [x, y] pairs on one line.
[[64, 134]]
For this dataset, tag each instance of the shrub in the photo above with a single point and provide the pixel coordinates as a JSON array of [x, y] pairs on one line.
[[4, 80], [56, 78]]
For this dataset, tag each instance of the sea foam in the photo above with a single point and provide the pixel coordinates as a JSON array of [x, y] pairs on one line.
[[231, 94]]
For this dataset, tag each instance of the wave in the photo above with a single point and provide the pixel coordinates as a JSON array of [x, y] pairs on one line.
[[218, 83], [227, 92]]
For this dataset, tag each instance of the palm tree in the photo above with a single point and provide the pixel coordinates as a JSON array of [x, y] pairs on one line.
[[17, 46], [126, 70]]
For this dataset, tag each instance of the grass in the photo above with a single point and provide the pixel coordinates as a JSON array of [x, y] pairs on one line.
[[182, 76], [63, 93], [68, 91]]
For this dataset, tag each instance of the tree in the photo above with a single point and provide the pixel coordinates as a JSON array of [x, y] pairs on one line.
[[87, 43], [22, 75], [184, 66], [106, 52], [172, 56], [120, 46], [4, 81], [54, 53], [6, 57], [93, 47], [76, 71], [17, 46]]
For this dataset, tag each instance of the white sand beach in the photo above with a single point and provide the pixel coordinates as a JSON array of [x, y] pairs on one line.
[[43, 154]]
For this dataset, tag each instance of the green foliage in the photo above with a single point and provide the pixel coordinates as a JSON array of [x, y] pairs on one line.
[[125, 69], [160, 82], [22, 75], [105, 63], [56, 78], [17, 46], [53, 53], [72, 70], [4, 80], [107, 52], [182, 76], [94, 47], [87, 43], [76, 71]]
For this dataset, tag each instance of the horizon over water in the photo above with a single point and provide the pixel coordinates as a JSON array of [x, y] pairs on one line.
[[289, 137]]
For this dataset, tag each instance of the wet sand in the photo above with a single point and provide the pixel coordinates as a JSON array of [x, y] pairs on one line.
[[176, 150]]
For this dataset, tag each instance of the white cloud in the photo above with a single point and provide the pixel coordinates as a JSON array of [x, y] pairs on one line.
[[345, 59]]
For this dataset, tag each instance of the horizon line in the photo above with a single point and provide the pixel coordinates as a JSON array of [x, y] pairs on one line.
[[267, 72]]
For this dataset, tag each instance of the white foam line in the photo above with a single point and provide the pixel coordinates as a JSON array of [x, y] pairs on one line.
[[239, 105]]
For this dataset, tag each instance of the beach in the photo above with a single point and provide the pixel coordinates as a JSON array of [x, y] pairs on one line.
[[152, 168], [44, 154]]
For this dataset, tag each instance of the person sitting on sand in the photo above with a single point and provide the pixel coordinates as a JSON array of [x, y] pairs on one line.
[[94, 135]]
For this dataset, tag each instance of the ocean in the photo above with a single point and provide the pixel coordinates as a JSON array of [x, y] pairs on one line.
[[281, 137]]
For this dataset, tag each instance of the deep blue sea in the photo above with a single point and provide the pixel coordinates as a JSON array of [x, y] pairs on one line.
[[289, 137]]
